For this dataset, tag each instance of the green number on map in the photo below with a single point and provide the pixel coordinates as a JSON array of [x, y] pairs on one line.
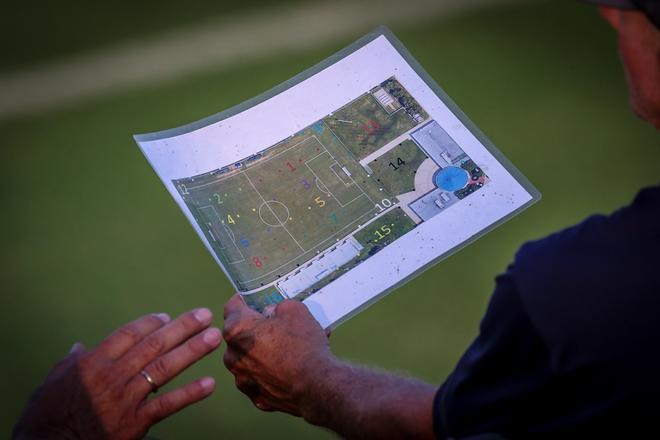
[[216, 196], [333, 216], [382, 232]]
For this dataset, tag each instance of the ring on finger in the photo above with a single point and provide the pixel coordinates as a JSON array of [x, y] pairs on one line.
[[152, 382]]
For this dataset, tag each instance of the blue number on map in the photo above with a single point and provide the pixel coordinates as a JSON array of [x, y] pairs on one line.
[[306, 184], [245, 242]]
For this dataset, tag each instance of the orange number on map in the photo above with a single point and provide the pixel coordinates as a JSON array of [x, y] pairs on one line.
[[319, 201]]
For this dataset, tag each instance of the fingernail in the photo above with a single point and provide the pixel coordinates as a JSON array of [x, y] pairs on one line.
[[212, 336], [203, 315], [208, 384], [163, 317]]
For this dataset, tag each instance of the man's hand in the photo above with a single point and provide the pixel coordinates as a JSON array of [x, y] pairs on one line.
[[273, 356], [282, 361], [103, 393]]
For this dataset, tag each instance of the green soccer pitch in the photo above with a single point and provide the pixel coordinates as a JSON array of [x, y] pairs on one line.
[[272, 212]]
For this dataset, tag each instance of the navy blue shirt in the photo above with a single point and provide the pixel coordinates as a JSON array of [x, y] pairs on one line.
[[570, 344]]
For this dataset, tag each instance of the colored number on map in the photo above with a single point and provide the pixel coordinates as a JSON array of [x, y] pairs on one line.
[[230, 219], [382, 232], [319, 201], [399, 162], [306, 184], [257, 262], [291, 167], [245, 242], [371, 126], [333, 216], [183, 189], [216, 196], [385, 203]]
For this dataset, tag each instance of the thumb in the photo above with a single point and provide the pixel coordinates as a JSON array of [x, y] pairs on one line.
[[76, 349]]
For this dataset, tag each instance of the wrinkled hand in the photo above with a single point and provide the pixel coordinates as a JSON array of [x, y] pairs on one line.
[[273, 356], [102, 394]]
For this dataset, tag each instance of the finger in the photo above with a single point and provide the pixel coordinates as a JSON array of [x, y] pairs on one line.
[[261, 403], [163, 406], [248, 387], [234, 305], [170, 365], [269, 311], [231, 359], [124, 338], [290, 307], [237, 321], [75, 352], [165, 339]]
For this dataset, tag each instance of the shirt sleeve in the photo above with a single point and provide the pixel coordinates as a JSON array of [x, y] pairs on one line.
[[497, 382]]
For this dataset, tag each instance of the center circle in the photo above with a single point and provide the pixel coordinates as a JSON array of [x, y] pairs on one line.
[[274, 213], [451, 178]]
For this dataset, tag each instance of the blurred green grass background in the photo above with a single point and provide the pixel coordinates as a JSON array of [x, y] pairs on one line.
[[91, 239]]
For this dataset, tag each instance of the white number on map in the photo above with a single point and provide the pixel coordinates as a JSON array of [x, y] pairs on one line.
[[385, 203]]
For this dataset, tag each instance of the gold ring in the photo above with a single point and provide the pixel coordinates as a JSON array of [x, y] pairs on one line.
[[152, 382]]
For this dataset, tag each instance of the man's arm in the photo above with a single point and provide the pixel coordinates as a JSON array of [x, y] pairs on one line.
[[282, 361], [358, 402]]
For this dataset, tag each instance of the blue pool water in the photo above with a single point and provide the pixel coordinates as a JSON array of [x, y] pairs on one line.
[[451, 178]]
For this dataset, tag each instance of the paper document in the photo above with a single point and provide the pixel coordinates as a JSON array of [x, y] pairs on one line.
[[339, 184]]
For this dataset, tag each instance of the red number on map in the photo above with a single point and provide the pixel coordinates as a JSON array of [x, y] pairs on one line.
[[257, 262], [291, 167]]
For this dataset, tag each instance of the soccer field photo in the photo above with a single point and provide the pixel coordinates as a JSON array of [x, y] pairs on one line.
[[287, 221]]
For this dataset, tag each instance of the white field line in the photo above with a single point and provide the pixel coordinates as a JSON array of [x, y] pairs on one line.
[[310, 250], [273, 212], [259, 164], [220, 44], [229, 234], [392, 144]]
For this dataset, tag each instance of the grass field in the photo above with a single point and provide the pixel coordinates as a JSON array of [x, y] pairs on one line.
[[364, 125], [272, 212], [395, 170], [90, 238], [270, 215]]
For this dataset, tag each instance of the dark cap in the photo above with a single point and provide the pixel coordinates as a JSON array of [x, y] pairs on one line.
[[620, 4], [651, 8]]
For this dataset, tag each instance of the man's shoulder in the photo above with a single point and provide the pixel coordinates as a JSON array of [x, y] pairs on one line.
[[596, 242], [590, 286]]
